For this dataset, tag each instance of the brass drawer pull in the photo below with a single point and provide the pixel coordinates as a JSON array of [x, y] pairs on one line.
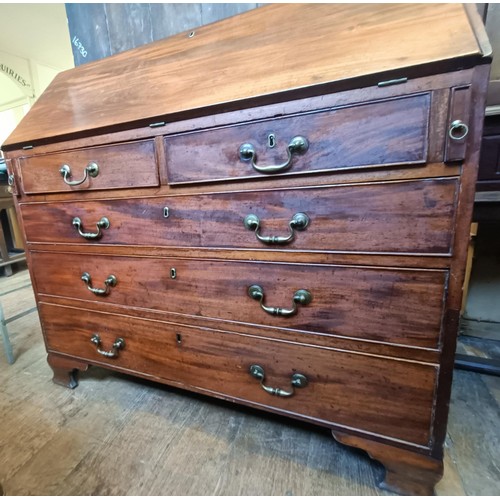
[[298, 381], [458, 130], [109, 281], [91, 169], [102, 224], [302, 297], [298, 223], [117, 345], [298, 145]]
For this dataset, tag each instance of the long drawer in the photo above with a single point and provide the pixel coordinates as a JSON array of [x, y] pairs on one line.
[[378, 395], [389, 132], [126, 165], [397, 217], [401, 306]]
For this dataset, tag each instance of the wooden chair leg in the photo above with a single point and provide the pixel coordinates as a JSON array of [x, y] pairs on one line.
[[65, 370], [5, 337], [407, 472]]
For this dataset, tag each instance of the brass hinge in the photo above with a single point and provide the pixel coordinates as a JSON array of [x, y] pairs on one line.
[[12, 185], [157, 124], [397, 81]]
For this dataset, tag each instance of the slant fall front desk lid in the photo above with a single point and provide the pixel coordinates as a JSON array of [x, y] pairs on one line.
[[270, 54]]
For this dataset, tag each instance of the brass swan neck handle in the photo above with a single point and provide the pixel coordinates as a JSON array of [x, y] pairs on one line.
[[110, 281], [298, 380], [92, 170], [118, 344], [103, 223], [302, 297], [298, 223], [298, 145]]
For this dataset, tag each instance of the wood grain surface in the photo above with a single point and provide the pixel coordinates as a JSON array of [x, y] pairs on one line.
[[401, 217], [120, 166], [438, 84], [386, 132], [406, 473], [192, 307], [346, 301], [387, 397], [330, 45]]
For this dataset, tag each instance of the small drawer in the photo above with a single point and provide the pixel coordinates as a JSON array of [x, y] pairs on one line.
[[390, 132], [396, 217], [398, 306], [117, 166], [389, 397]]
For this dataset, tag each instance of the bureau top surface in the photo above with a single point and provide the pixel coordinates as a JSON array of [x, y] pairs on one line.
[[276, 52]]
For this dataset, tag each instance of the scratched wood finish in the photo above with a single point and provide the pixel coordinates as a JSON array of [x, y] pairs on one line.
[[389, 397], [218, 289], [252, 57], [345, 218], [456, 145], [464, 214], [390, 132], [359, 345], [439, 85], [120, 166], [406, 473], [420, 305]]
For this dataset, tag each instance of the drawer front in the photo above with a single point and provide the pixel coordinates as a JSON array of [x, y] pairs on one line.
[[395, 306], [401, 217], [378, 395], [118, 166], [390, 132]]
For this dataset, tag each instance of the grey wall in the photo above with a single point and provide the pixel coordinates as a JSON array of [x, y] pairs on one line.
[[99, 30]]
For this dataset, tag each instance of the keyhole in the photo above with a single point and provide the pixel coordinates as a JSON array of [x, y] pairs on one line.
[[173, 273], [178, 338], [271, 140]]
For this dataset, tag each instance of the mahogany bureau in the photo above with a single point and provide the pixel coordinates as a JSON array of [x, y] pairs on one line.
[[272, 210]]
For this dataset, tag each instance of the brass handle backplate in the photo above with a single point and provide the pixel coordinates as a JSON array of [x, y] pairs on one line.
[[298, 145], [108, 282], [458, 130], [298, 380], [92, 170], [102, 224], [302, 297], [298, 223], [118, 344]]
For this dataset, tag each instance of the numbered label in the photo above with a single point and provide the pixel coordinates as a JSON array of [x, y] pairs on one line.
[[79, 46]]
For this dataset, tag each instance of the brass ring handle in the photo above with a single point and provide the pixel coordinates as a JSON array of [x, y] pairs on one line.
[[91, 169], [298, 380], [302, 297], [118, 344], [102, 224], [298, 223], [108, 282], [10, 182], [458, 130], [298, 145]]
